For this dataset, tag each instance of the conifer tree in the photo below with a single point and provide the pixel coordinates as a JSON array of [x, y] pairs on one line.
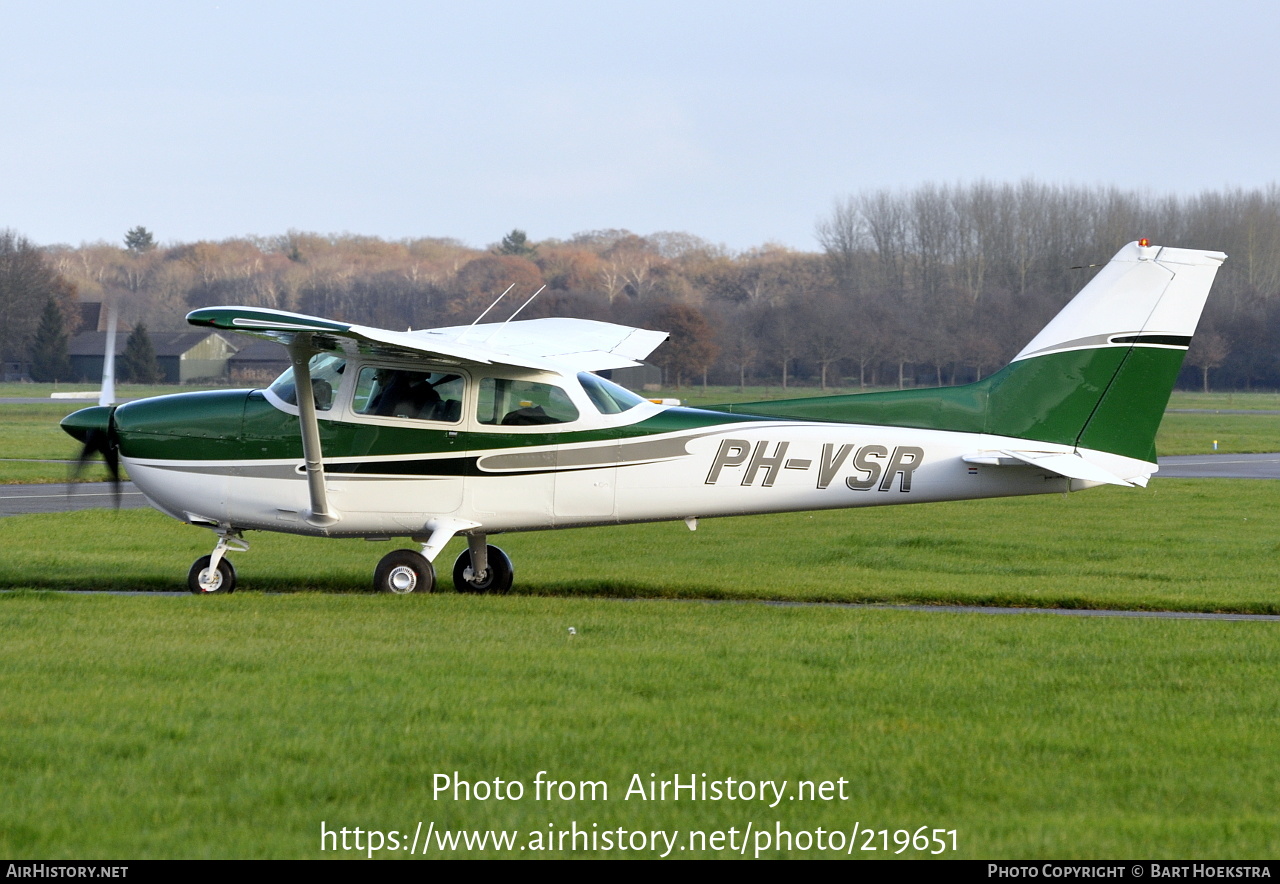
[[138, 365], [516, 243], [49, 359], [139, 240]]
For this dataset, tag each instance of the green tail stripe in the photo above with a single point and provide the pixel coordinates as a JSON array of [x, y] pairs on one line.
[[1126, 420], [1104, 398]]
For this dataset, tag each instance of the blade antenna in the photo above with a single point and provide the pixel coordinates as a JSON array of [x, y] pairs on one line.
[[514, 315], [525, 304], [467, 330]]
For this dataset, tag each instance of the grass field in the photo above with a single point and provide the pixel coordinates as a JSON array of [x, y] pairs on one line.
[[145, 727], [123, 391], [1181, 544], [1229, 400], [151, 726], [31, 431]]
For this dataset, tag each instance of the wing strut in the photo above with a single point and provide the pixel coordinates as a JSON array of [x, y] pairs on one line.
[[300, 352]]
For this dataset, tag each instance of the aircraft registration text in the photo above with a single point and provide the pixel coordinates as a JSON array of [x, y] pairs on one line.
[[873, 466]]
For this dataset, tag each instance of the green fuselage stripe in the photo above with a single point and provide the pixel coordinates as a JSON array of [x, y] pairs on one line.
[[1104, 398], [239, 425]]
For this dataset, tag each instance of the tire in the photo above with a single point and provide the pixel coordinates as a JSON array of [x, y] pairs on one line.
[[226, 582], [402, 572], [496, 582]]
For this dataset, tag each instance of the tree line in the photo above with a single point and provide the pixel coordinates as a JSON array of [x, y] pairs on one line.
[[933, 285]]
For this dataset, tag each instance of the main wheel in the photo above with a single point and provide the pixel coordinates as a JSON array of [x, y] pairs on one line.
[[224, 580], [404, 571], [496, 580]]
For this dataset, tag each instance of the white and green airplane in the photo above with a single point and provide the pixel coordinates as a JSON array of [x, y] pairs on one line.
[[489, 428]]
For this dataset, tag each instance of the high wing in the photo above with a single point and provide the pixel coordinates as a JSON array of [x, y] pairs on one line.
[[542, 344], [554, 344]]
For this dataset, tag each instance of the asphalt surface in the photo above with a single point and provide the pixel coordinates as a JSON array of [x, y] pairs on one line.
[[1219, 411], [1079, 612], [45, 400], [25, 500], [1220, 466]]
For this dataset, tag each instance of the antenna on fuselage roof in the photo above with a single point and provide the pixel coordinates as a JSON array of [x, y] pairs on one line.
[[522, 306], [514, 315], [486, 311], [494, 304]]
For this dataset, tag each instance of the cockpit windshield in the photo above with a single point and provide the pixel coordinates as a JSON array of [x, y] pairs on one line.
[[326, 376], [607, 396]]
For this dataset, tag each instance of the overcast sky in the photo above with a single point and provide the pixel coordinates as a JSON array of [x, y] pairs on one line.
[[740, 122]]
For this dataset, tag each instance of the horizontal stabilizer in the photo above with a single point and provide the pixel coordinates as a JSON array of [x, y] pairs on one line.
[[1073, 466]]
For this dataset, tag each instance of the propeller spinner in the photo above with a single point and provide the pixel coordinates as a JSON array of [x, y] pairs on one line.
[[95, 429]]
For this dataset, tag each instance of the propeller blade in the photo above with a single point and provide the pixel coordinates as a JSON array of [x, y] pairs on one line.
[[99, 442]]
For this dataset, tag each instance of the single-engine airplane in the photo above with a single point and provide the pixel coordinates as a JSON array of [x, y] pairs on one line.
[[489, 428]]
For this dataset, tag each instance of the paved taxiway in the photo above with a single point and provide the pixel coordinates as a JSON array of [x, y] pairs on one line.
[[24, 500], [1220, 466]]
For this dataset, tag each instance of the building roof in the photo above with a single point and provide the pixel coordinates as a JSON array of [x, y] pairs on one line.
[[260, 352], [94, 318], [164, 343]]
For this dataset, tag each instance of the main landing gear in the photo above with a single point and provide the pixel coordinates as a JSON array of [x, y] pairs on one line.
[[404, 571], [480, 568]]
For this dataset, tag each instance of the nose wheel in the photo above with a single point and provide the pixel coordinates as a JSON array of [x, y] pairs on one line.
[[214, 573], [204, 580]]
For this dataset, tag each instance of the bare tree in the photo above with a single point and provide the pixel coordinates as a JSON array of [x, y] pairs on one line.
[[1208, 350]]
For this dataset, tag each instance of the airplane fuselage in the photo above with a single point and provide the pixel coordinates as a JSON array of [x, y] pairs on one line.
[[233, 458]]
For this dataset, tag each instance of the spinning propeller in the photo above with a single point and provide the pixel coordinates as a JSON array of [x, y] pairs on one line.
[[95, 428], [98, 439]]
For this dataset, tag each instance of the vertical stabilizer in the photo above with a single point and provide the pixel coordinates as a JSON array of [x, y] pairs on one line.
[[1097, 377], [1108, 361]]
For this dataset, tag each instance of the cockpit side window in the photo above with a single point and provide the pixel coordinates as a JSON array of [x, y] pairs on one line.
[[509, 403], [398, 392], [326, 377]]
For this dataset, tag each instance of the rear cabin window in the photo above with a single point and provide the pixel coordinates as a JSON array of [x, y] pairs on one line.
[[509, 403], [418, 395]]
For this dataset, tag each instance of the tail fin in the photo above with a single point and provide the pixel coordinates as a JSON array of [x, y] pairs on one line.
[[1097, 377]]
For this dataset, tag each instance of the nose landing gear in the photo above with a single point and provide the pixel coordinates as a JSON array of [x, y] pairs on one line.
[[214, 573]]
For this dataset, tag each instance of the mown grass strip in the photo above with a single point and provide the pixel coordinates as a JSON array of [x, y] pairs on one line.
[[232, 726], [1181, 545]]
